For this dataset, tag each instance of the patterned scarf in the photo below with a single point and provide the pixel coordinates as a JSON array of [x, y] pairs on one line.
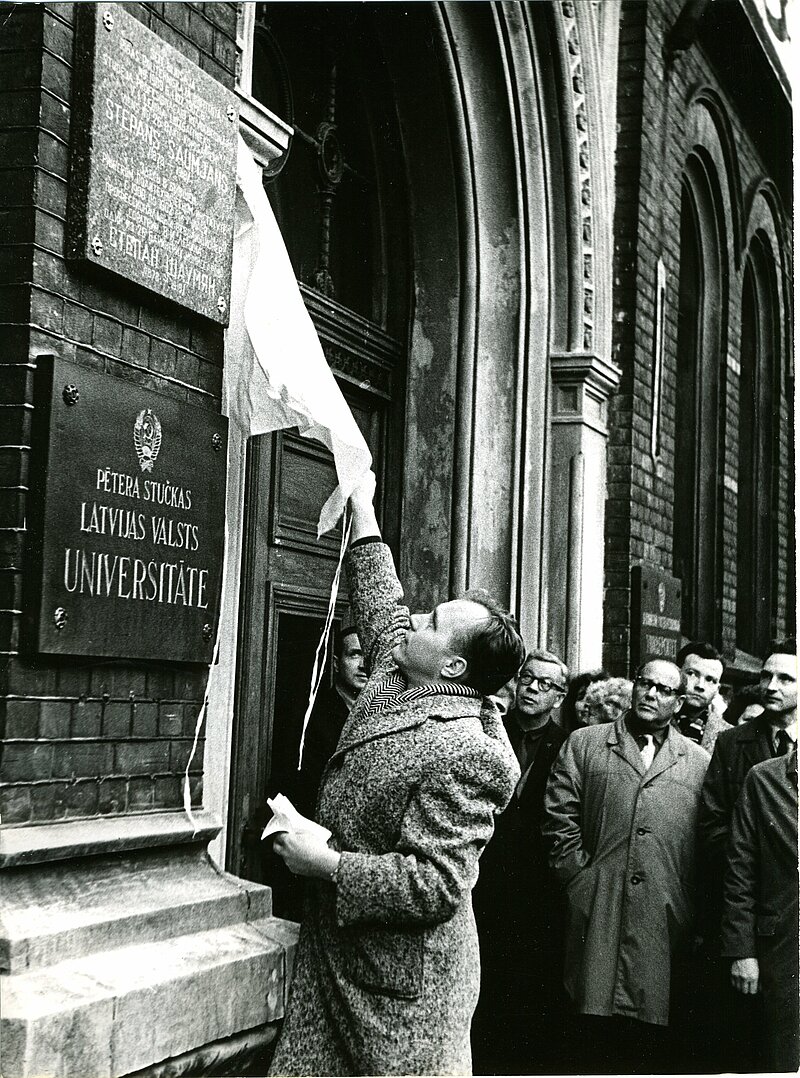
[[392, 690]]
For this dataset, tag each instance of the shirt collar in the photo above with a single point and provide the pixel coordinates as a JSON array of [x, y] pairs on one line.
[[639, 730]]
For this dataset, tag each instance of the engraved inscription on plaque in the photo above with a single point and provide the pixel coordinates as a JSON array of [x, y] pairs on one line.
[[130, 518], [153, 177], [655, 614]]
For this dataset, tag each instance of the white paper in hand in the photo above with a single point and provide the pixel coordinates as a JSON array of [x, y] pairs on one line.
[[285, 817]]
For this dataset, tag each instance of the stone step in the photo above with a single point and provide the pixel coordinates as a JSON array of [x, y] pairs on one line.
[[51, 914], [117, 1011]]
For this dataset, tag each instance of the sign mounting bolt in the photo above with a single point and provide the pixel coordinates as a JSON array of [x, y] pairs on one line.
[[71, 394], [97, 245], [60, 617], [221, 304], [108, 19], [207, 631], [216, 441], [231, 113]]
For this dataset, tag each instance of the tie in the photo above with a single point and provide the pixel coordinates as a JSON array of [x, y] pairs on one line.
[[648, 750], [784, 742], [527, 749]]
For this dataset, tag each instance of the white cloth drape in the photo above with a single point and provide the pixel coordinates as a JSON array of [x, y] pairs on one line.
[[278, 374]]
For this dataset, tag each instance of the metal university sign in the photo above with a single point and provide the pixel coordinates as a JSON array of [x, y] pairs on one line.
[[129, 519]]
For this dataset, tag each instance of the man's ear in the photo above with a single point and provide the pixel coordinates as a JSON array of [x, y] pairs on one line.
[[335, 664], [454, 667]]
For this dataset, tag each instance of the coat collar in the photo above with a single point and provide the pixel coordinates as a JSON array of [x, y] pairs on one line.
[[361, 728], [623, 744]]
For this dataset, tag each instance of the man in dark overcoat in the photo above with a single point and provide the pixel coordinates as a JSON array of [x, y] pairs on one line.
[[729, 1028], [760, 913], [517, 909], [387, 970]]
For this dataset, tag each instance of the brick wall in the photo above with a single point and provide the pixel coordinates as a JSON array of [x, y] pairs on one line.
[[653, 118], [81, 737]]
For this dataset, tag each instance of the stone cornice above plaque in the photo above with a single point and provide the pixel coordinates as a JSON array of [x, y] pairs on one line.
[[267, 136]]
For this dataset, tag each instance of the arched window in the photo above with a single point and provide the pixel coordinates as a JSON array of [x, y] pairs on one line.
[[336, 198], [757, 510], [701, 297]]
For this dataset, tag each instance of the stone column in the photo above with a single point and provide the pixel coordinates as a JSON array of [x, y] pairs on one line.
[[582, 384]]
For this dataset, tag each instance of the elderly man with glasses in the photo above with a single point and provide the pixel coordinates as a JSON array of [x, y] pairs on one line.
[[621, 808], [516, 907]]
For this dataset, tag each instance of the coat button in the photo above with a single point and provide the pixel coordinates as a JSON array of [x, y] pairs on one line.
[[636, 879]]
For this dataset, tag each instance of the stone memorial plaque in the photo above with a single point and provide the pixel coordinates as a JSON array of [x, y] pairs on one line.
[[655, 613], [153, 160], [129, 518]]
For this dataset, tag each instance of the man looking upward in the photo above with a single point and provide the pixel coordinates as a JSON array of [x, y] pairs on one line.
[[621, 807], [387, 970], [516, 909]]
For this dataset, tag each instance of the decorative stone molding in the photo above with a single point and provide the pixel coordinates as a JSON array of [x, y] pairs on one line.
[[582, 384], [572, 39], [267, 136]]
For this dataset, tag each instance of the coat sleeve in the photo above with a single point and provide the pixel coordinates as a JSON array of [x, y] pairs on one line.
[[376, 597], [714, 812], [562, 817], [448, 820], [741, 877]]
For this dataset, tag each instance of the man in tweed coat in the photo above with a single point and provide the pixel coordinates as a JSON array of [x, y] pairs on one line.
[[387, 970]]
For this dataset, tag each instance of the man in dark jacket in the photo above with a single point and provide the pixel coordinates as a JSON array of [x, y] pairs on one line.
[[729, 1032], [700, 717], [760, 912], [331, 708], [516, 909]]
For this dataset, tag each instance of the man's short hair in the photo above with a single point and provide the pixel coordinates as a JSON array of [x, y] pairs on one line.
[[542, 656], [494, 650], [339, 638], [702, 649], [783, 647]]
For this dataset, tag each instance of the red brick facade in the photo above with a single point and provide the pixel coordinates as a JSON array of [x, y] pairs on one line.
[[84, 738], [666, 106]]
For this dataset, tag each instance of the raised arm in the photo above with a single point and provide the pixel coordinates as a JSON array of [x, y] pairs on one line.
[[375, 592]]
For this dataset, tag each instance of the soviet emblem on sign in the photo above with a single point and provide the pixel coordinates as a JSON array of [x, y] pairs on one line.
[[662, 597], [147, 438]]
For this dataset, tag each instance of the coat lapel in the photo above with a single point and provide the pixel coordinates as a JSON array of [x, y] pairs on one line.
[[623, 745], [668, 755]]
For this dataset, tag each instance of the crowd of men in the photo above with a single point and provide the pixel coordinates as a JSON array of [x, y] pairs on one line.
[[637, 895]]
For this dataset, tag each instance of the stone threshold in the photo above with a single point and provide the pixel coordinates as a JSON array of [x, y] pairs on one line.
[[37, 843]]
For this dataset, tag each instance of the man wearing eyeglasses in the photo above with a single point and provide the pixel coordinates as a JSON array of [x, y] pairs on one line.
[[621, 807], [515, 907]]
